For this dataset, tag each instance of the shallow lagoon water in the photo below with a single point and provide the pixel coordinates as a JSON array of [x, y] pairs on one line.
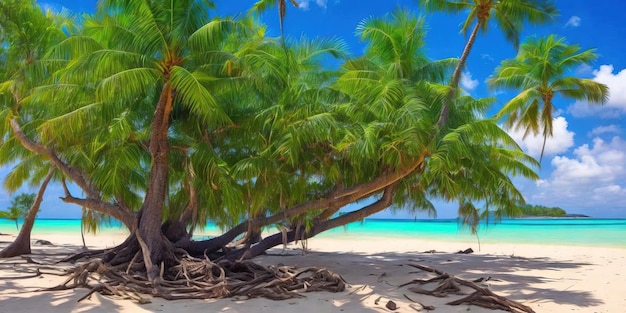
[[558, 231]]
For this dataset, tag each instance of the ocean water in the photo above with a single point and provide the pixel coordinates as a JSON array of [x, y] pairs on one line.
[[557, 231]]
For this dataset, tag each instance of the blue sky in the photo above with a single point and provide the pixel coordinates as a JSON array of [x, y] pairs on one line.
[[584, 166]]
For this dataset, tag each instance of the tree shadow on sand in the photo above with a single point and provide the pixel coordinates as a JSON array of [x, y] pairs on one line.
[[373, 279], [519, 279]]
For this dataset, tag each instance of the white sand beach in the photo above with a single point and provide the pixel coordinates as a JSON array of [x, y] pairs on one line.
[[545, 278]]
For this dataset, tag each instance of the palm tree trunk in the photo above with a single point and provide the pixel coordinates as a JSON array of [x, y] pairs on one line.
[[21, 244], [82, 232], [456, 76], [276, 239], [151, 215]]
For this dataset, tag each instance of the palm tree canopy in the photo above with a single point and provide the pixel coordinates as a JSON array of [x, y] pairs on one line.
[[395, 97], [20, 205], [540, 72], [509, 15], [26, 33]]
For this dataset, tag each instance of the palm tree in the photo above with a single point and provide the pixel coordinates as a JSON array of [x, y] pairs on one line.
[[540, 72], [29, 204], [19, 207], [509, 16], [395, 93], [139, 67], [263, 5], [319, 151], [26, 33], [204, 120]]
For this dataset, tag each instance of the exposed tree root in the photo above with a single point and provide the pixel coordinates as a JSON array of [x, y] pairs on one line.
[[81, 255], [481, 296], [195, 278]]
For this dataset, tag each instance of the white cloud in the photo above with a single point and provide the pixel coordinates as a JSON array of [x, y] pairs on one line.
[[573, 21], [321, 3], [593, 179], [584, 70], [467, 82], [488, 57], [304, 5], [615, 106], [560, 142], [607, 129]]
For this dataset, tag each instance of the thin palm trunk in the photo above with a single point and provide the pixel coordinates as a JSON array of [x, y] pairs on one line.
[[456, 76], [21, 244], [82, 232]]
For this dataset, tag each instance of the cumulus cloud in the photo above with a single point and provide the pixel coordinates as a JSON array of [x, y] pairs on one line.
[[615, 106], [606, 129], [304, 5], [560, 142], [467, 82], [593, 178], [573, 21]]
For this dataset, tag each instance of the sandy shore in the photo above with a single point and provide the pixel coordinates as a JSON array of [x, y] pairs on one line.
[[546, 278]]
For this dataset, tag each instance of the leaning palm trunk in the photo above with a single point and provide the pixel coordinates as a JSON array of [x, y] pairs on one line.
[[456, 77], [21, 244]]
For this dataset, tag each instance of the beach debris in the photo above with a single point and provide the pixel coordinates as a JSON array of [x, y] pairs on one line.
[[483, 279], [482, 297], [381, 276], [391, 305], [358, 289], [447, 286], [43, 242], [466, 251], [422, 306], [85, 254]]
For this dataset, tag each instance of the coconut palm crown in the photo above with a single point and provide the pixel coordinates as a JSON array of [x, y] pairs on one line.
[[509, 15], [540, 72]]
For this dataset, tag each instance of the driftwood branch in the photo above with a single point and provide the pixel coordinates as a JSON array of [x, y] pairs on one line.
[[450, 284]]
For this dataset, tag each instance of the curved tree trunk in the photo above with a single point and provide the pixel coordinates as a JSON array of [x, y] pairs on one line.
[[299, 234], [93, 200], [456, 76], [21, 244]]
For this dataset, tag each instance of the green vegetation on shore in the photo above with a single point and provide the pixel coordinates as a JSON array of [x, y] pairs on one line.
[[540, 210], [544, 211]]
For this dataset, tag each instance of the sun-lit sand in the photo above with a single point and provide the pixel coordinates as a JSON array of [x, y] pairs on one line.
[[546, 278]]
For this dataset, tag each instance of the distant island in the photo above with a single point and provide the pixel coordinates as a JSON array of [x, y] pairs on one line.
[[530, 210]]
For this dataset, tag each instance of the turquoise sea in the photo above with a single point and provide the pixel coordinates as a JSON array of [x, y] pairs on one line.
[[558, 231]]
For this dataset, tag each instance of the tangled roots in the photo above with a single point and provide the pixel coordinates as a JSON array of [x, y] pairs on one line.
[[194, 278]]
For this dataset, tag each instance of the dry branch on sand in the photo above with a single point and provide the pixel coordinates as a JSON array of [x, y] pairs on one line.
[[450, 284]]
